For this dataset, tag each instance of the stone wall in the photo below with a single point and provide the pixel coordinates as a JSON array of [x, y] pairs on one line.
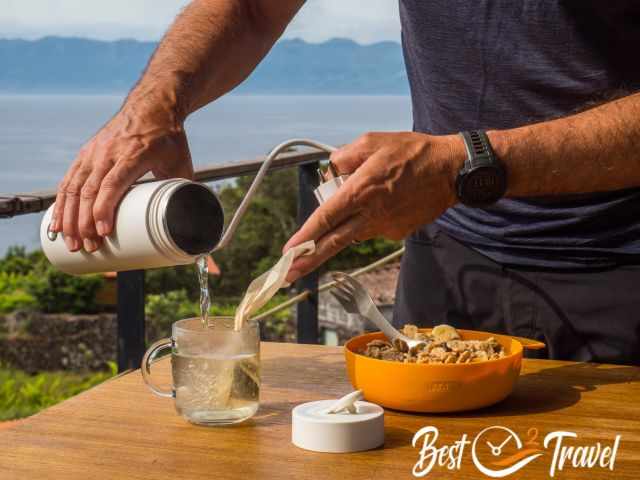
[[35, 341]]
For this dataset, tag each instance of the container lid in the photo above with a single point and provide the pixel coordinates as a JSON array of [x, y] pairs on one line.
[[356, 425]]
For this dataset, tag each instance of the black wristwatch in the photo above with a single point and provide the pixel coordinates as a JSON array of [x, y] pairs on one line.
[[482, 180]]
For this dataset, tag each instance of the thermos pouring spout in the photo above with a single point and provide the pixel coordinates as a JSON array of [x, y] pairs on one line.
[[237, 216]]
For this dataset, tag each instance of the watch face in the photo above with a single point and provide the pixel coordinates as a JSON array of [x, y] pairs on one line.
[[482, 186]]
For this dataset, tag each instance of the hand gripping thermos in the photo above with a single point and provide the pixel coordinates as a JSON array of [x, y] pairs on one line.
[[157, 224], [160, 224]]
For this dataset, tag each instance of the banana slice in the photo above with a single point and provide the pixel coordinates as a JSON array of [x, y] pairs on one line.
[[445, 333]]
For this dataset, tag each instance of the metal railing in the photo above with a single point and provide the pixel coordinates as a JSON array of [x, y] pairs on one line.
[[34, 202]]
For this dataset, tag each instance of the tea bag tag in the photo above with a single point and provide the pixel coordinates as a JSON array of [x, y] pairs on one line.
[[263, 288], [346, 425]]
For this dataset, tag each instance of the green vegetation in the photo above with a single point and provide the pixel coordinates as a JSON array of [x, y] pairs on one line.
[[14, 294], [29, 281], [22, 395], [162, 310]]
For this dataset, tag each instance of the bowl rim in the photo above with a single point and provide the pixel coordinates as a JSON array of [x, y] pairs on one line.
[[438, 365]]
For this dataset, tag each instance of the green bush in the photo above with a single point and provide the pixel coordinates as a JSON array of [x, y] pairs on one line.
[[57, 292], [279, 326], [13, 293], [181, 277], [163, 309], [18, 261], [266, 226], [361, 254], [28, 280], [22, 395]]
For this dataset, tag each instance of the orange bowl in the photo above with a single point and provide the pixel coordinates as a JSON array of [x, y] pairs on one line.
[[420, 387]]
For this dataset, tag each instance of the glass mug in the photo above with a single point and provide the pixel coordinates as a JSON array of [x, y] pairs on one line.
[[215, 369]]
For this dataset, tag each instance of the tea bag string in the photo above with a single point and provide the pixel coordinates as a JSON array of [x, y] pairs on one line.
[[263, 288]]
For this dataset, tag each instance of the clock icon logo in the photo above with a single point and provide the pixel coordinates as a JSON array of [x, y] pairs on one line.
[[494, 444], [497, 451]]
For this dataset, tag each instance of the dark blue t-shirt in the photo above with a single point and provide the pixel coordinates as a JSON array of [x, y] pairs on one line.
[[501, 64]]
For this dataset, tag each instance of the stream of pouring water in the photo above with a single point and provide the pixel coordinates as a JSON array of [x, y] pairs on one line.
[[202, 268]]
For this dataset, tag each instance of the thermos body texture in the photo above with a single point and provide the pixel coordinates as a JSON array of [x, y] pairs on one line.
[[140, 239]]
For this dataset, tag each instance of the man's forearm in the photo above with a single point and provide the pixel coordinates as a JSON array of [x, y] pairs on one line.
[[595, 150], [211, 47]]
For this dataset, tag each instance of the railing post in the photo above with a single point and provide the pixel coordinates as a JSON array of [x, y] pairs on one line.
[[307, 310], [131, 342]]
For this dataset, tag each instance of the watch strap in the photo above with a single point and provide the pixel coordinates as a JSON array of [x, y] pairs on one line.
[[482, 178], [479, 151]]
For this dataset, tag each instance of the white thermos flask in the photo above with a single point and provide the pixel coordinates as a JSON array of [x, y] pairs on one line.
[[158, 224], [165, 223]]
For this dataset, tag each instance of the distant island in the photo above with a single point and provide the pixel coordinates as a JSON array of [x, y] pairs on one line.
[[79, 65]]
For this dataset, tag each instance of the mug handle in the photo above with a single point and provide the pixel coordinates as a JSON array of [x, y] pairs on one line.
[[149, 356]]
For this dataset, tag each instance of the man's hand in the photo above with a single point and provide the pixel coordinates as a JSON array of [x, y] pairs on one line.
[[404, 180], [399, 181], [211, 47], [133, 143]]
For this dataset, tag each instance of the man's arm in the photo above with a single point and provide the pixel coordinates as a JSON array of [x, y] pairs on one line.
[[211, 47], [592, 151], [403, 180]]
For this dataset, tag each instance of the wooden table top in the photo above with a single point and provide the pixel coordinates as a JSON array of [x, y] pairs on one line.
[[119, 430]]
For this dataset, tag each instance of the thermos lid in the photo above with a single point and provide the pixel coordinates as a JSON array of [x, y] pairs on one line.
[[355, 427], [194, 218]]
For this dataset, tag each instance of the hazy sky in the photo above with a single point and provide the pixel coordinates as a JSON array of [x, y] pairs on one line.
[[365, 21]]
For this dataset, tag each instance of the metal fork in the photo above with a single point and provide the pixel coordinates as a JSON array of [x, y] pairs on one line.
[[355, 300]]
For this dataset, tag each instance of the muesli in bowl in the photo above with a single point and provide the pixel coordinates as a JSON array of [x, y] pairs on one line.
[[392, 377], [443, 345]]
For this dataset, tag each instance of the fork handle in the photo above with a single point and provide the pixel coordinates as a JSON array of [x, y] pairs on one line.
[[383, 324]]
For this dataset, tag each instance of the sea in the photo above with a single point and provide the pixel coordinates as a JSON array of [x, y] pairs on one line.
[[41, 134]]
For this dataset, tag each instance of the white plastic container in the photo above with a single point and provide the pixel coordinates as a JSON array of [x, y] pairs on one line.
[[158, 224], [315, 428]]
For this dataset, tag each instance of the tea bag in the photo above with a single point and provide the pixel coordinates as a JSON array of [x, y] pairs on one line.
[[220, 383], [207, 384], [266, 285]]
